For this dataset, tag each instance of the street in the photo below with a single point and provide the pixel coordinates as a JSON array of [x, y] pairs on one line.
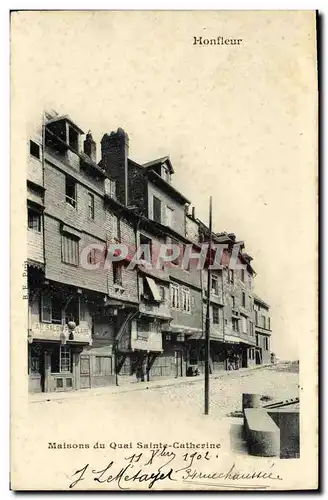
[[166, 423], [164, 407]]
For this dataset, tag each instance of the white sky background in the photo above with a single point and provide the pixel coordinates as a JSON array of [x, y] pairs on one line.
[[239, 123]]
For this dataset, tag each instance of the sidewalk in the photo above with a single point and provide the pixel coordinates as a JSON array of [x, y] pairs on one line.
[[130, 386]]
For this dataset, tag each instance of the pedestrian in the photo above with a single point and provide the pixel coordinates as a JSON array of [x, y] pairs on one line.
[[237, 362]]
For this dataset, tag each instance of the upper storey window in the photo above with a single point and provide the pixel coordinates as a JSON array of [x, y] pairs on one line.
[[157, 209], [73, 138], [35, 150], [110, 188], [62, 133], [70, 191], [166, 174]]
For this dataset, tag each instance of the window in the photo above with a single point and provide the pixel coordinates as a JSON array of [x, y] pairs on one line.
[[269, 323], [65, 359], [157, 208], [215, 315], [73, 138], [231, 276], [70, 249], [92, 256], [166, 173], [70, 191], [252, 353], [175, 302], [186, 263], [147, 248], [72, 311], [169, 216], [251, 329], [61, 360], [143, 329], [34, 220], [235, 324], [215, 284], [117, 273], [151, 290], [256, 318], [176, 247], [56, 310], [162, 293], [242, 277], [115, 228], [185, 296], [244, 299], [34, 362], [35, 150], [244, 324], [45, 309], [91, 205], [110, 188], [263, 321], [233, 302], [266, 343], [51, 309]]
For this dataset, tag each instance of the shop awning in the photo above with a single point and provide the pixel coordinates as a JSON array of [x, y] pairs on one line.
[[154, 273], [185, 330], [154, 289], [35, 264]]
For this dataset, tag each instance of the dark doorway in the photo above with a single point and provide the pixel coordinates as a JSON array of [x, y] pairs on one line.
[[244, 358], [258, 356]]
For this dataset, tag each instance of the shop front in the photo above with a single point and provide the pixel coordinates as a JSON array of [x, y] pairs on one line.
[[54, 357]]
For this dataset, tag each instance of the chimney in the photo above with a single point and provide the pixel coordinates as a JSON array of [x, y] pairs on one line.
[[193, 213], [114, 160], [90, 147]]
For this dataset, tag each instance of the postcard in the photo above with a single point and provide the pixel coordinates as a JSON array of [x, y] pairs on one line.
[[164, 331]]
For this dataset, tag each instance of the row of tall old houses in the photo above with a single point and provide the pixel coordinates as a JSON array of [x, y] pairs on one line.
[[94, 321]]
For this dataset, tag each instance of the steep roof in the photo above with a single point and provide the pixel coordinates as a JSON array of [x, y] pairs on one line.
[[160, 161], [68, 119]]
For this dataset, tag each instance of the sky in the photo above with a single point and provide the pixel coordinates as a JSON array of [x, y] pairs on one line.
[[238, 122]]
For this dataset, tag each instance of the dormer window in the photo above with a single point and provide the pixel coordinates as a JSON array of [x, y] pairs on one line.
[[61, 133], [110, 188], [73, 138], [166, 174]]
